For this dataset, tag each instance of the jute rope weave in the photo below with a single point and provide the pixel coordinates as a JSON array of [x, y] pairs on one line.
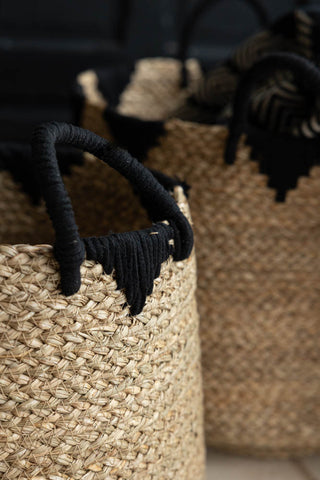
[[96, 196], [140, 98], [88, 391], [258, 287]]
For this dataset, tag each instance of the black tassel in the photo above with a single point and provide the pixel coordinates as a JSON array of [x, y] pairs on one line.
[[136, 258]]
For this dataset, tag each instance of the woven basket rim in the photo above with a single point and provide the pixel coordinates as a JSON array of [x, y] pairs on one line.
[[177, 194]]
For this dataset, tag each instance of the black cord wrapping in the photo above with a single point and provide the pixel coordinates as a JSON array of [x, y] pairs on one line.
[[192, 19], [135, 256], [305, 72]]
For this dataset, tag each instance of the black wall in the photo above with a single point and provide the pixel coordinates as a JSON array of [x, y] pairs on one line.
[[44, 43]]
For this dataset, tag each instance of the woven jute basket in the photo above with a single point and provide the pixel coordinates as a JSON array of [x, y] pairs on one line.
[[258, 258], [94, 386]]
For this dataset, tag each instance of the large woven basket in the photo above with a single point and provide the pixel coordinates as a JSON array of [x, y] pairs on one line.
[[99, 356], [258, 258]]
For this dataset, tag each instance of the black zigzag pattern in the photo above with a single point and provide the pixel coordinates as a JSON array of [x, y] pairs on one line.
[[283, 158]]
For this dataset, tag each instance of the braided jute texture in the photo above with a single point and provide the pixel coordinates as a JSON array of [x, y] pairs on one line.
[[140, 98], [258, 290], [87, 391]]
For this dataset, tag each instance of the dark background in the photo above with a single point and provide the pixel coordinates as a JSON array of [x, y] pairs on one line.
[[45, 43]]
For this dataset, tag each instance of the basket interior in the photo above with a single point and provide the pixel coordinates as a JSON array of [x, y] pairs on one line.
[[103, 202]]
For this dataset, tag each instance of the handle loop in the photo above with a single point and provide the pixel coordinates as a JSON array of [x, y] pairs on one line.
[[305, 72], [192, 20], [69, 247]]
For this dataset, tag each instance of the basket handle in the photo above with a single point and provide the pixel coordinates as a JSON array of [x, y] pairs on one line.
[[192, 20], [69, 248], [305, 72]]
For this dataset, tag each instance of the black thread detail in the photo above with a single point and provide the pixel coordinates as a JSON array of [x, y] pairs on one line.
[[134, 134], [113, 81], [135, 256], [193, 18]]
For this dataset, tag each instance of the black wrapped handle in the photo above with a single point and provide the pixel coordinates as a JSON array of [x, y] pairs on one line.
[[69, 247], [192, 20], [306, 74]]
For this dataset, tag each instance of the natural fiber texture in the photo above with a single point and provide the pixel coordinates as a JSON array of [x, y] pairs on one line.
[[259, 296], [88, 391], [140, 98], [94, 104], [96, 195], [258, 288], [157, 104]]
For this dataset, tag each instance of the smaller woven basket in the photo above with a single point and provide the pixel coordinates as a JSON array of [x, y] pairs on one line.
[[99, 351], [257, 229]]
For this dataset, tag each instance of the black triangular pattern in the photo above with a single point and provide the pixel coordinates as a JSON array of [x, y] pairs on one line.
[[283, 158], [112, 81], [136, 257], [136, 135]]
